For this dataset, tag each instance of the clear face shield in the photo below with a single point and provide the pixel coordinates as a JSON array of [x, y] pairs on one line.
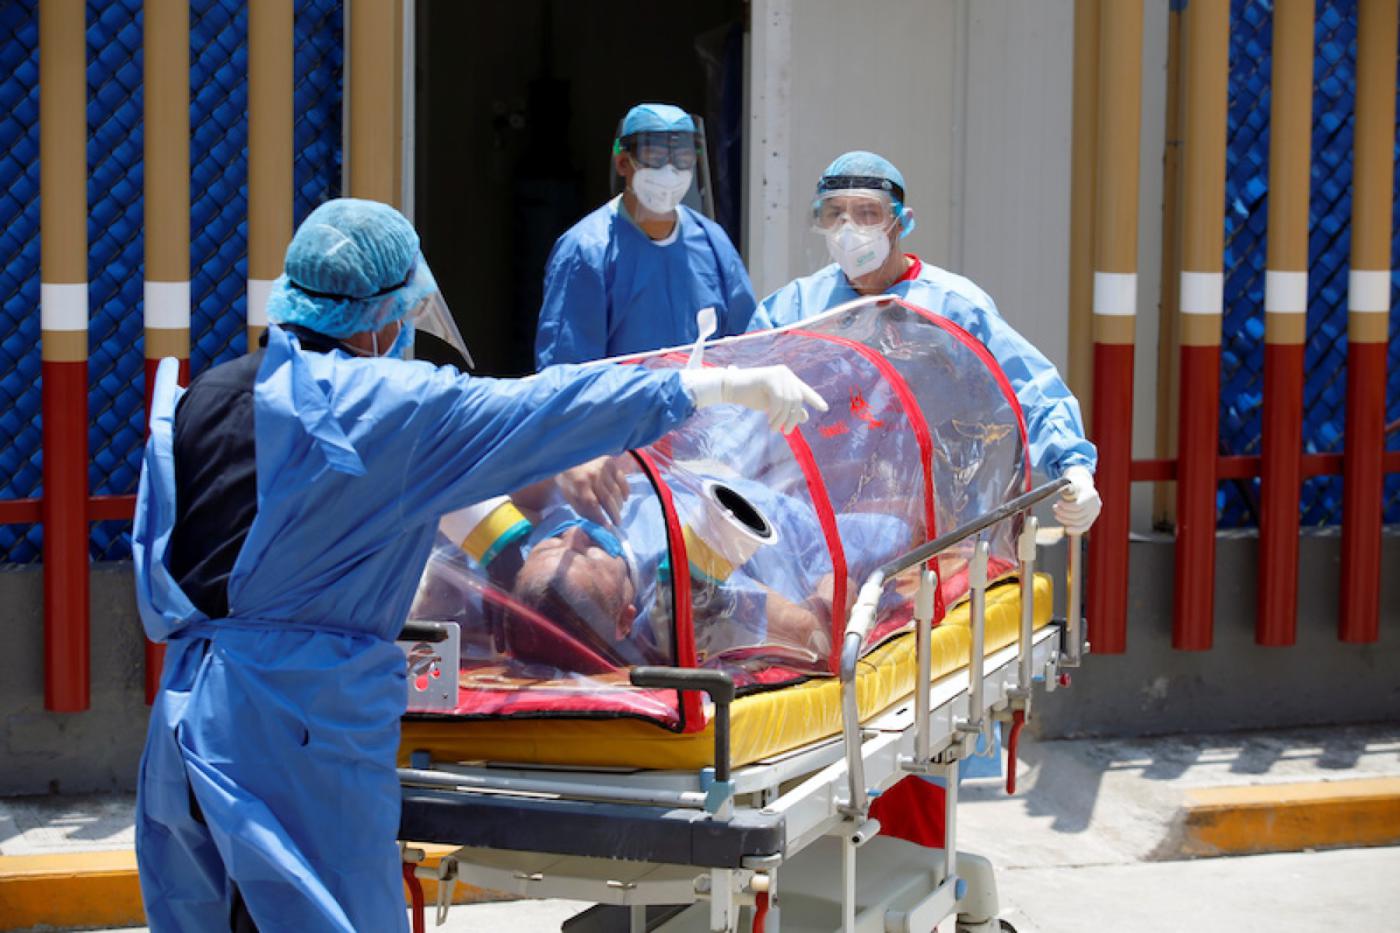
[[667, 169], [427, 312], [430, 314], [856, 227]]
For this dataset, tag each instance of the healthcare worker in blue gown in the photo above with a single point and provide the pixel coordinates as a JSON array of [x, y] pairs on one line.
[[633, 275], [287, 505], [860, 211]]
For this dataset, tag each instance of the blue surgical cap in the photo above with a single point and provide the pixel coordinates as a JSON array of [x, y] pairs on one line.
[[866, 170], [656, 118], [344, 265]]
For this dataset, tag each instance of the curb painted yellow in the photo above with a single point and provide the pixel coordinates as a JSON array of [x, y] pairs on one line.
[[71, 889], [100, 889], [1290, 817]]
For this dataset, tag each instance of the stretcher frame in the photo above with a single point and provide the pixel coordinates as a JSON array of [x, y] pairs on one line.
[[684, 850]]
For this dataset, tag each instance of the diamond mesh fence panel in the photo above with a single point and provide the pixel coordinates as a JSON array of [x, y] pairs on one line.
[[116, 260], [20, 468], [218, 210], [1329, 243], [316, 99]]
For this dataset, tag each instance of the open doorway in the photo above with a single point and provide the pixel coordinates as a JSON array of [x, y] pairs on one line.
[[517, 103]]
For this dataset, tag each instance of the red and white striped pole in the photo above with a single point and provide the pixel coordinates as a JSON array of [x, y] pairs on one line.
[[1207, 72], [1285, 321], [270, 25], [63, 315], [1368, 298], [166, 48], [1115, 314]]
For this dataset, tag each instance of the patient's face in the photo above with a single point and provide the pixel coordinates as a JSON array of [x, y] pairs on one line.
[[595, 583]]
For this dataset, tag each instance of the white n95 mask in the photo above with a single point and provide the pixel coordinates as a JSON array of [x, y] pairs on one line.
[[661, 189], [859, 252]]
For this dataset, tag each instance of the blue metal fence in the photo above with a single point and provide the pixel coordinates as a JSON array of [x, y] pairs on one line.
[[1329, 243], [218, 210], [20, 468]]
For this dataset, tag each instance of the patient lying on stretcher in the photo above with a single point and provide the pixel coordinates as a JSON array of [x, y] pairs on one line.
[[576, 576]]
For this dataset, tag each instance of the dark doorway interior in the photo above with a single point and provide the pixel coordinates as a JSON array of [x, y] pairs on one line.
[[517, 105]]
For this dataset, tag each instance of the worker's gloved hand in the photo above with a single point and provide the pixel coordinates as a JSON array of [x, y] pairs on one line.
[[596, 489], [773, 390], [1079, 503]]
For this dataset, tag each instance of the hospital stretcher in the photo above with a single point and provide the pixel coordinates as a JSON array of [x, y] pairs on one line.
[[783, 841]]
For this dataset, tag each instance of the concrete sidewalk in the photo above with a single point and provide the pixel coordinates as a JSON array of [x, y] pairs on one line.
[[1091, 801], [1095, 836]]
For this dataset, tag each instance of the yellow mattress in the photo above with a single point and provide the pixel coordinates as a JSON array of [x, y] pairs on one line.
[[761, 724]]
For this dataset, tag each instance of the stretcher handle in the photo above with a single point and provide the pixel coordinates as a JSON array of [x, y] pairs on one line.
[[418, 630], [1002, 512], [720, 687]]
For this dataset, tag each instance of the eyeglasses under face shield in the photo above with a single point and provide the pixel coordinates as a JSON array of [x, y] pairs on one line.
[[867, 202], [655, 150], [864, 210]]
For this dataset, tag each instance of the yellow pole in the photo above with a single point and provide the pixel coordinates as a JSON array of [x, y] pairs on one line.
[[63, 323], [1285, 319], [270, 31], [375, 83], [1368, 320], [1115, 312], [166, 48], [1207, 63], [63, 245]]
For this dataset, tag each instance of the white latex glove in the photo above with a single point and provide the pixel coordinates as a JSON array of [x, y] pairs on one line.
[[1079, 503], [773, 390]]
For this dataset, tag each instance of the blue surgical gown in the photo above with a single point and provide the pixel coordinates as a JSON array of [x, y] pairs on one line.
[[1053, 423], [610, 290], [269, 761]]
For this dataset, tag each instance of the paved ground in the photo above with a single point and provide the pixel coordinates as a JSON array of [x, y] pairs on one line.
[[1089, 843], [53, 825], [1346, 889], [1093, 802]]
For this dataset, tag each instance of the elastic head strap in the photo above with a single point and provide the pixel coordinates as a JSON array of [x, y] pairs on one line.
[[332, 296], [867, 182]]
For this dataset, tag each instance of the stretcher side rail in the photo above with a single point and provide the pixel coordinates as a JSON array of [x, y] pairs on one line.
[[862, 618]]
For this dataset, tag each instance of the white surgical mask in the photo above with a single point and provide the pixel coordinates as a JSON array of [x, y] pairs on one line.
[[660, 189], [859, 252]]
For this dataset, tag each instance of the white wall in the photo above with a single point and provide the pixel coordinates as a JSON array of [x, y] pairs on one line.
[[972, 100], [853, 80], [1015, 192]]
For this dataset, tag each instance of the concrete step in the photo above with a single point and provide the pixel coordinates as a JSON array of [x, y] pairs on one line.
[[1291, 817]]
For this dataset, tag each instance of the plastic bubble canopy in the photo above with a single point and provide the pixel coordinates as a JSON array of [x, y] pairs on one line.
[[924, 434]]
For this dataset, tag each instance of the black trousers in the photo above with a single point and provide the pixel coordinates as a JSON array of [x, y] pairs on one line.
[[239, 920]]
